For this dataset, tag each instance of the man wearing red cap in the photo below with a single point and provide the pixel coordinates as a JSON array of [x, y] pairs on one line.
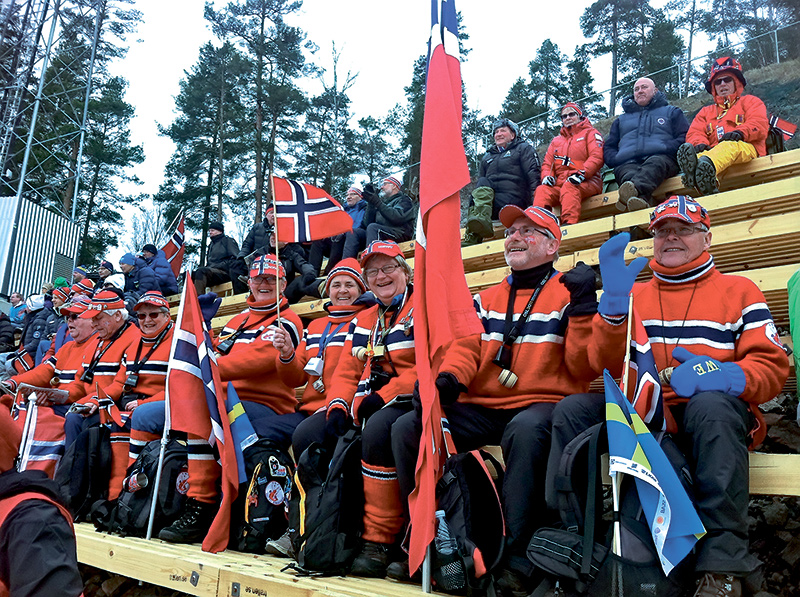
[[38, 555], [571, 170], [733, 130], [718, 334], [390, 215], [333, 247], [501, 387], [248, 359]]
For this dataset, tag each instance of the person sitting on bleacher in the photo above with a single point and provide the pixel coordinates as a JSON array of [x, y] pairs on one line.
[[333, 247], [139, 277], [733, 130], [157, 260], [500, 388], [247, 359], [220, 257], [571, 169], [717, 332], [104, 270], [509, 175], [373, 384], [316, 360], [17, 311], [259, 239], [642, 144]]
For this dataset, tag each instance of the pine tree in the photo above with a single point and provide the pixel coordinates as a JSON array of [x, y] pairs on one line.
[[580, 84]]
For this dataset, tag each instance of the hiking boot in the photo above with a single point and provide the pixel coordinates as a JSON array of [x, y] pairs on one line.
[[400, 571], [625, 192], [193, 524], [706, 176], [479, 220], [714, 584], [372, 561], [281, 547], [511, 583], [637, 203], [470, 239], [687, 161]]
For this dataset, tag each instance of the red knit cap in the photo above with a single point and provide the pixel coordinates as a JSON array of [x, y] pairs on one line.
[[346, 267], [574, 106]]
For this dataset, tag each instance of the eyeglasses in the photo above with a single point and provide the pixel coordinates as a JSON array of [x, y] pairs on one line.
[[723, 80], [72, 316], [268, 280], [386, 269], [525, 231], [568, 115], [682, 231], [153, 316]]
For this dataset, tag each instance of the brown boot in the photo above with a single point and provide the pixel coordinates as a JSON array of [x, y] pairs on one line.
[[714, 584]]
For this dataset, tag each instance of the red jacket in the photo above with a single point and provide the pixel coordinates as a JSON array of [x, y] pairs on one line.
[[746, 114], [63, 366], [579, 147], [351, 379], [152, 372], [252, 362], [550, 356]]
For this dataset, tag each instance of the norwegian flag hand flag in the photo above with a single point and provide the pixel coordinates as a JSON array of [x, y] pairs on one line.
[[175, 249], [304, 213]]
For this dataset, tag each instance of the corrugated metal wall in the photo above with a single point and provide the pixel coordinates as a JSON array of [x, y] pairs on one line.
[[41, 247]]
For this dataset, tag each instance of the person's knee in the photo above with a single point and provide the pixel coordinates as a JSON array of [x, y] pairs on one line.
[[715, 407], [406, 432]]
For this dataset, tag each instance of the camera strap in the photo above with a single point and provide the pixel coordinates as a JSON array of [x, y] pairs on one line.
[[512, 328], [243, 327], [137, 364], [98, 354]]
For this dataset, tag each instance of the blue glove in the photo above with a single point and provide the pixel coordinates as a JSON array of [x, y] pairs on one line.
[[703, 374], [618, 278], [209, 305]]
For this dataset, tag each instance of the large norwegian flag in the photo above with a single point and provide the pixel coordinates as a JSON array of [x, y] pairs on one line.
[[194, 390], [443, 307], [175, 248], [644, 387], [304, 212]]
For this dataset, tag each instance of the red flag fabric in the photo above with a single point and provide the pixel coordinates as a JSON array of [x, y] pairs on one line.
[[43, 436], [304, 212], [175, 248], [644, 387], [443, 304], [195, 392]]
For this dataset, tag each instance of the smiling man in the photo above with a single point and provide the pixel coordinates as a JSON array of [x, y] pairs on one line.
[[500, 388], [717, 332], [732, 130]]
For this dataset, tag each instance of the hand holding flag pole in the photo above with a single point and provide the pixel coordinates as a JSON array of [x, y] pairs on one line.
[[277, 255]]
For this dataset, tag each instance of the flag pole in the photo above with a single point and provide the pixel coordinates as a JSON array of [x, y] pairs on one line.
[[617, 480], [173, 222], [277, 254], [24, 445], [167, 418]]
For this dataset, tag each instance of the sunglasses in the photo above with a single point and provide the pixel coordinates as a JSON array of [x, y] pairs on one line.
[[723, 80], [568, 115], [72, 316], [153, 316]]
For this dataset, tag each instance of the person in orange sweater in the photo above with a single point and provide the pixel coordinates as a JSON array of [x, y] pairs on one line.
[[501, 387], [716, 331], [733, 130], [571, 169], [373, 384], [248, 359], [314, 363]]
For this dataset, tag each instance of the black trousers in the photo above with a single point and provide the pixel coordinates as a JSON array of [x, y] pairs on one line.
[[647, 174], [209, 276], [713, 437], [524, 436]]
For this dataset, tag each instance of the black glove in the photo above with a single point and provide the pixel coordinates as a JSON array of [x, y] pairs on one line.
[[209, 305], [449, 388], [336, 423], [732, 136], [549, 181], [416, 400], [582, 285], [369, 195], [700, 147], [578, 177], [371, 404]]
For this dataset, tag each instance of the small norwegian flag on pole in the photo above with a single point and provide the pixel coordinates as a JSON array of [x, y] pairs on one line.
[[304, 213], [174, 249]]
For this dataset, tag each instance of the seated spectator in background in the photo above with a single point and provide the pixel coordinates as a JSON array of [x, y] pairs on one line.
[[17, 311], [157, 261], [139, 277], [258, 240], [34, 330], [333, 247], [38, 555], [6, 334], [84, 287], [571, 170], [55, 320], [642, 144], [508, 175], [105, 270], [390, 215], [79, 273], [220, 257], [733, 130]]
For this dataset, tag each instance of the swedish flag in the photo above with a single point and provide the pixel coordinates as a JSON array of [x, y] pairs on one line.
[[674, 523], [242, 430]]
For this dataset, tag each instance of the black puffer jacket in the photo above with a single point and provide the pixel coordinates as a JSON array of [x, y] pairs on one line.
[[397, 211], [6, 333], [34, 329], [141, 278], [257, 239], [513, 173], [222, 251]]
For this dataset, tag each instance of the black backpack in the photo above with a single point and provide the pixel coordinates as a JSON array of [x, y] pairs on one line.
[[130, 512], [259, 512], [84, 472], [329, 495], [578, 557], [473, 512]]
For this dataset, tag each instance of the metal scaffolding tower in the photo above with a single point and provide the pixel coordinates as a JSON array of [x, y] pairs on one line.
[[47, 60]]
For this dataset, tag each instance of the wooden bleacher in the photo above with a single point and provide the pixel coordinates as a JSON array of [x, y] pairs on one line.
[[756, 234]]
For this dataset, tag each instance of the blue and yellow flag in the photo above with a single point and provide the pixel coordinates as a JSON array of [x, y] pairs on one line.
[[242, 430], [674, 523]]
